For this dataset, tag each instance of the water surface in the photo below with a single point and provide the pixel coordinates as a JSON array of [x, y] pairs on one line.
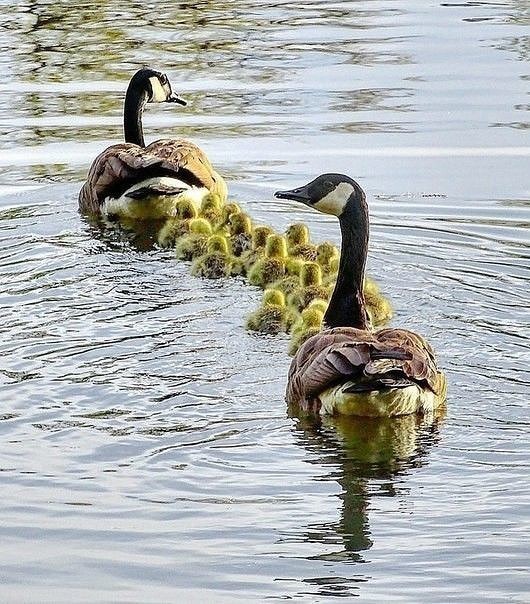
[[148, 455]]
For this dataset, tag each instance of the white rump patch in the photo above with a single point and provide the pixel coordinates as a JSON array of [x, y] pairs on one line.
[[334, 201], [155, 207], [159, 94]]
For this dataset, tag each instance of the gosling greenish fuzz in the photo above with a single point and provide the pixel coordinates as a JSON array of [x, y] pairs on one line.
[[217, 261], [310, 286], [257, 250], [293, 266], [271, 316], [240, 231], [271, 267], [226, 211], [299, 242], [276, 247], [195, 242], [288, 284], [379, 309], [308, 324], [326, 253], [211, 208], [178, 225], [266, 271]]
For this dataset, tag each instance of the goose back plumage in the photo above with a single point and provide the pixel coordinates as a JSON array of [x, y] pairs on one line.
[[362, 362], [120, 166]]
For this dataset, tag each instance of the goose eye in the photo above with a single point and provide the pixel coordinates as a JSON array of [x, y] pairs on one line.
[[163, 79]]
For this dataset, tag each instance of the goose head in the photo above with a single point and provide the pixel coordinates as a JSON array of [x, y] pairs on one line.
[[156, 85], [328, 193]]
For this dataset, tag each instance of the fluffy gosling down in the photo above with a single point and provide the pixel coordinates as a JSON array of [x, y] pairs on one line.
[[271, 267], [195, 242], [178, 225], [217, 262], [271, 316], [299, 243]]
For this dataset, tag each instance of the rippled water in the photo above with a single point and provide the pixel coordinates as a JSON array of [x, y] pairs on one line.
[[147, 453]]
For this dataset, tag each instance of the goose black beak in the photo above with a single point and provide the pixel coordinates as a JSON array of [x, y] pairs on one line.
[[300, 194], [174, 98]]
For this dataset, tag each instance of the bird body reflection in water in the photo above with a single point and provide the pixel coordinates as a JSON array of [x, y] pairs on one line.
[[360, 452]]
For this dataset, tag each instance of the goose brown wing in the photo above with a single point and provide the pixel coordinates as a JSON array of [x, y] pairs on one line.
[[187, 159], [347, 354], [120, 166]]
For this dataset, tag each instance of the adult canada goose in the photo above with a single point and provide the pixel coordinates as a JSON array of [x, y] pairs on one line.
[[348, 368], [142, 182]]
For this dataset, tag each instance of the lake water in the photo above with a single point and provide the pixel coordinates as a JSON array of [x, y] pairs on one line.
[[147, 453]]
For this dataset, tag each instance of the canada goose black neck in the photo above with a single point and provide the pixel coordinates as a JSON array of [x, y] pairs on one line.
[[135, 100], [347, 307], [341, 196]]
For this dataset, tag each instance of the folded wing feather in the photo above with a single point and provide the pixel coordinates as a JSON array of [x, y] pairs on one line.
[[120, 166], [386, 358]]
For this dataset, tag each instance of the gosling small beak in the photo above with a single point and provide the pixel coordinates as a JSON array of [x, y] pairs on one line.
[[300, 194], [174, 98]]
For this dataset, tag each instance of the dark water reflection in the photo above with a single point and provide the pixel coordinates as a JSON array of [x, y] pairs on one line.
[[368, 458], [147, 453]]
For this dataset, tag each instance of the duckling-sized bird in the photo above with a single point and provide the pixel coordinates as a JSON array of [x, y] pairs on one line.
[[287, 285], [291, 281], [328, 257], [211, 208], [272, 316], [348, 368], [378, 307], [257, 250], [178, 225], [310, 287], [299, 242], [271, 267], [227, 210], [195, 242], [308, 324], [240, 232], [130, 180], [217, 262]]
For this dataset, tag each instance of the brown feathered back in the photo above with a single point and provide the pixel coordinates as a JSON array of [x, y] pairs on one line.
[[120, 166], [343, 354]]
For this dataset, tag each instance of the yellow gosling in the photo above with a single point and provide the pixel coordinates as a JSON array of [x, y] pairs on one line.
[[271, 316], [311, 287], [328, 257], [293, 266], [211, 208], [247, 259], [379, 309], [217, 261], [240, 231], [195, 242], [175, 227], [270, 268], [308, 324], [288, 284], [226, 211], [296, 234], [298, 242]]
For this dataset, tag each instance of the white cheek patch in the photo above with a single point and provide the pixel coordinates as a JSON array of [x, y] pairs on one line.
[[334, 201], [159, 94]]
